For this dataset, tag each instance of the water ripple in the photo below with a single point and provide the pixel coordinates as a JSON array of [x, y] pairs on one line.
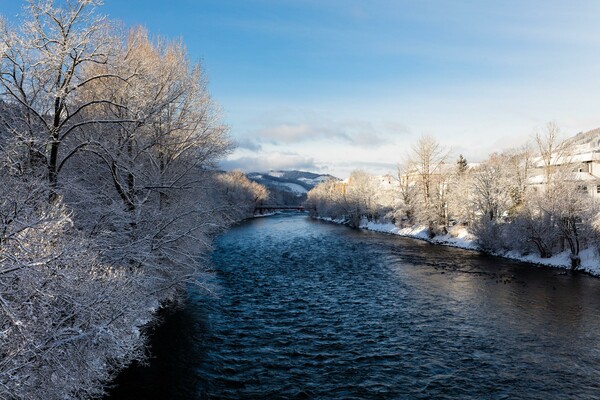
[[306, 310]]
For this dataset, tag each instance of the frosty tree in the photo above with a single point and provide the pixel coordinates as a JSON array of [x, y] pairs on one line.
[[44, 71], [426, 163], [119, 131]]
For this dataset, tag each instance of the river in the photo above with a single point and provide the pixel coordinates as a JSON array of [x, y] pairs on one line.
[[302, 309]]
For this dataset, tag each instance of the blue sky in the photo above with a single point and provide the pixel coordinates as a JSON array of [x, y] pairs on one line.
[[334, 85]]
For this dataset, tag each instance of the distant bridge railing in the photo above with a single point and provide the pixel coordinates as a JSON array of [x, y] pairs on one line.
[[268, 207]]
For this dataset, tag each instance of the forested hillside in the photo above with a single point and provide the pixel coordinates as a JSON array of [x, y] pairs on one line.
[[288, 187]]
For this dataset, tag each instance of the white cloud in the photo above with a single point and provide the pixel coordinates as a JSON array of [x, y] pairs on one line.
[[312, 128], [293, 133], [248, 144], [269, 161]]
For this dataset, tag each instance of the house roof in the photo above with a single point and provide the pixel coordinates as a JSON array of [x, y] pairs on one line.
[[573, 177], [588, 156]]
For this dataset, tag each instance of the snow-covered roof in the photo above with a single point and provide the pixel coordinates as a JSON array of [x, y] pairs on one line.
[[569, 159], [584, 176], [536, 180], [573, 176], [586, 157]]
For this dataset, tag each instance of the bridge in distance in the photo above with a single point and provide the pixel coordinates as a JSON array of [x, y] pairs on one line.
[[268, 207]]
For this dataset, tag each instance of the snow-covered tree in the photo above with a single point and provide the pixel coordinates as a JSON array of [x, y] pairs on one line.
[[557, 218], [68, 321], [240, 196], [328, 199], [151, 168], [461, 165], [361, 195], [491, 189], [427, 170], [407, 196], [44, 70], [489, 201], [551, 148], [120, 133]]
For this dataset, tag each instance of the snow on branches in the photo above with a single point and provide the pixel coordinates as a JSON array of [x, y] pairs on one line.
[[108, 196]]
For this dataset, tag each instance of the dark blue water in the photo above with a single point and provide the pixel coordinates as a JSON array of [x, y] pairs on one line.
[[300, 309]]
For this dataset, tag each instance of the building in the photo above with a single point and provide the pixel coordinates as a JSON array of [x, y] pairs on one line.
[[578, 160]]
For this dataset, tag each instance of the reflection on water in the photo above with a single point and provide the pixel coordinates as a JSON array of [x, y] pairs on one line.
[[304, 309]]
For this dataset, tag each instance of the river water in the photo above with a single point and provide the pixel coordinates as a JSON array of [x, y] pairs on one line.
[[302, 309]]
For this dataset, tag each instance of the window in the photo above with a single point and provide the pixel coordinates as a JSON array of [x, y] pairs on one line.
[[597, 188]]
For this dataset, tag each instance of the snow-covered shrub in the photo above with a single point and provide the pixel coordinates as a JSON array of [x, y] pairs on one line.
[[489, 234]]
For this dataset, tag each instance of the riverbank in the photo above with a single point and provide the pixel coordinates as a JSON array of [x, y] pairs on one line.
[[461, 238]]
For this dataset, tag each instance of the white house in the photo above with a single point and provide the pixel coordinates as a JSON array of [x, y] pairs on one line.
[[580, 158]]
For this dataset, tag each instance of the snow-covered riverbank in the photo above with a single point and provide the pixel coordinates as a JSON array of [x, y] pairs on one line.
[[460, 237]]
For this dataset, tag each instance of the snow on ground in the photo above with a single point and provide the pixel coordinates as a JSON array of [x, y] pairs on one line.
[[266, 214], [460, 237], [590, 260], [307, 180], [294, 187], [315, 181]]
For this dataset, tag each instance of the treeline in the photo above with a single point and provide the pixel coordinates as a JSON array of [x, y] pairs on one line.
[[109, 197], [530, 200]]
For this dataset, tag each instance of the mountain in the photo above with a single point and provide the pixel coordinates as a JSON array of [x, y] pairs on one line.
[[288, 187], [585, 141]]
